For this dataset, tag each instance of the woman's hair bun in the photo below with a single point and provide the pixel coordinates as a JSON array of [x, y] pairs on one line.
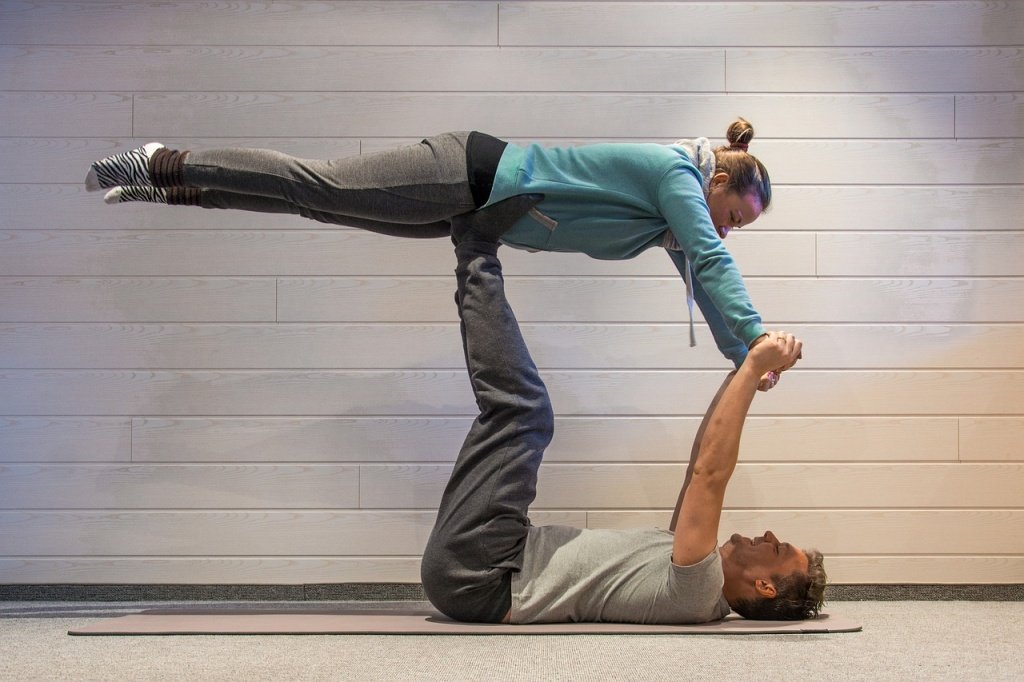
[[740, 132], [746, 173]]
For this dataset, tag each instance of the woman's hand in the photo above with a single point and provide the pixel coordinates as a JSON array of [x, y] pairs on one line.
[[773, 354], [768, 381]]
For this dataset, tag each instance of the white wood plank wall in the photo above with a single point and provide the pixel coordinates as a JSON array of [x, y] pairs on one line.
[[192, 396]]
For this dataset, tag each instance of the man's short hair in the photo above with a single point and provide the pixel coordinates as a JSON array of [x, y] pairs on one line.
[[798, 596]]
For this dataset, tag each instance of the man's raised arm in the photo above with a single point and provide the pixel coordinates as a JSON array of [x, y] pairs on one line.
[[717, 448], [695, 449]]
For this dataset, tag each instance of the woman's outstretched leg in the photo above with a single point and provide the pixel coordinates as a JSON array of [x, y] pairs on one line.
[[215, 198], [415, 184]]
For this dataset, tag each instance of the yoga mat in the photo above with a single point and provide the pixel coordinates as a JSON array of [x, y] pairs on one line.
[[251, 622]]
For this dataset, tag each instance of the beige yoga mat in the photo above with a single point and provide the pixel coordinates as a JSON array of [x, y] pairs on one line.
[[240, 622]]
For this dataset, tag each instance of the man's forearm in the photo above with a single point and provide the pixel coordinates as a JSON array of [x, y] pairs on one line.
[[720, 445], [695, 449]]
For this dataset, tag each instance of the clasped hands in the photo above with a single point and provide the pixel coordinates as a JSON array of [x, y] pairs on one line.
[[772, 354]]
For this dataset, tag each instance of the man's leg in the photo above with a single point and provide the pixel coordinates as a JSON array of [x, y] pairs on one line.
[[482, 520]]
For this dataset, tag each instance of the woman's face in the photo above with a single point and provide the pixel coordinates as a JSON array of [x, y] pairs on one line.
[[729, 210]]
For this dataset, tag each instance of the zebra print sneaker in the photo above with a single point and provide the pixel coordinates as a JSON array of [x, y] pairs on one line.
[[119, 195], [129, 168]]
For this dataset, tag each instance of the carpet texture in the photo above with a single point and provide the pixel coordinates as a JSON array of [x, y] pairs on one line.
[[423, 622]]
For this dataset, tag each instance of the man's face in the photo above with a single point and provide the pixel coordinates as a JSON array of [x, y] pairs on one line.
[[750, 563]]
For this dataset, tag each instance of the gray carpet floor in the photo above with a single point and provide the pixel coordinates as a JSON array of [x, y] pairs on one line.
[[952, 640]]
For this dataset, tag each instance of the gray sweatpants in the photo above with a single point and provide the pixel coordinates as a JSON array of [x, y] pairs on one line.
[[480, 532], [411, 191]]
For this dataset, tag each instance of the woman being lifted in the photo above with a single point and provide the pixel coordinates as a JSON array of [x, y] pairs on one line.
[[608, 200]]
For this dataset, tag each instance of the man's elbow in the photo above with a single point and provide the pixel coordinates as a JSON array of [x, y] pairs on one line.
[[711, 478]]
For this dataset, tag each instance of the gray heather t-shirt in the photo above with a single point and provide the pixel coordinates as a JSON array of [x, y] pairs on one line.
[[626, 576]]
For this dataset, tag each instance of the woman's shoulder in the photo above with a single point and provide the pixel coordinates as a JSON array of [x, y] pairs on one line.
[[646, 157], [652, 150]]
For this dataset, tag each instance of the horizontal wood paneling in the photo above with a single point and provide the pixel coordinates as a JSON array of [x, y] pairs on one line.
[[383, 533], [439, 346], [990, 115], [234, 392], [821, 209], [413, 23], [662, 300], [761, 23], [577, 439], [59, 439], [225, 533], [141, 299], [758, 486], [372, 114], [873, 162], [946, 69], [351, 252], [992, 438], [861, 531], [65, 113], [70, 206], [446, 392], [169, 486], [842, 569], [921, 255], [940, 569], [809, 392], [212, 571], [265, 68], [837, 209], [329, 252], [191, 22], [143, 364], [298, 439], [238, 346]]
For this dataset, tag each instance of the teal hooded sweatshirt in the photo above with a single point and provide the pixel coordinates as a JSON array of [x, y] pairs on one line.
[[614, 201]]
